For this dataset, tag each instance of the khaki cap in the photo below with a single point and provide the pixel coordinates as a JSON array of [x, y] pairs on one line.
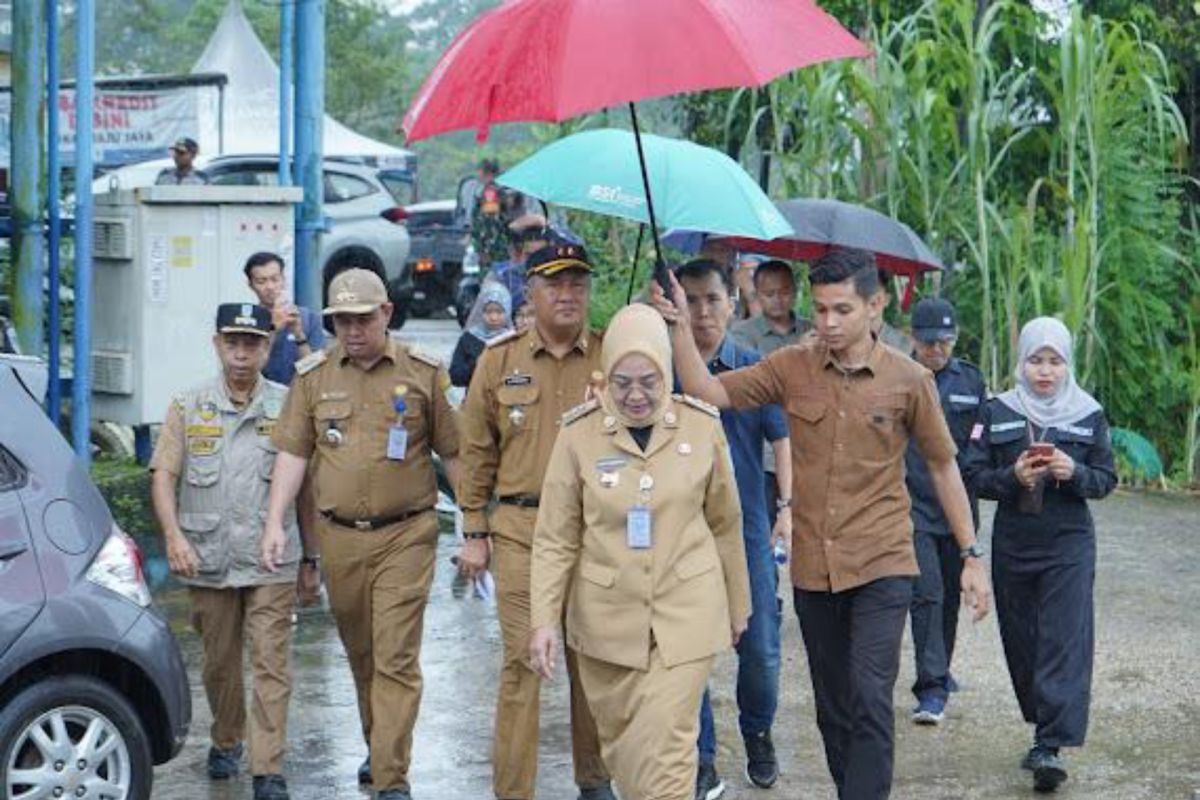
[[355, 291]]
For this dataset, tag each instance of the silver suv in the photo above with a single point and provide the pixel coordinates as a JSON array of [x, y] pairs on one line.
[[93, 689], [365, 207]]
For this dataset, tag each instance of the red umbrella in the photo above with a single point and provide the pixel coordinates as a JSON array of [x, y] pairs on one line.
[[550, 60]]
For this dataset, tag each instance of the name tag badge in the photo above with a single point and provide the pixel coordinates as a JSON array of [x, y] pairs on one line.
[[638, 528], [964, 399], [397, 442]]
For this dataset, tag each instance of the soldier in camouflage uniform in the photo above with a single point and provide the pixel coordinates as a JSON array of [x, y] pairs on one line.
[[489, 225]]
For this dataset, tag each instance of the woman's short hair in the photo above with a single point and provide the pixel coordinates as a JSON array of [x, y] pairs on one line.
[[847, 263]]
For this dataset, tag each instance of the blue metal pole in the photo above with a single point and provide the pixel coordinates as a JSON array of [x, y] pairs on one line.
[[28, 306], [310, 118], [81, 389], [53, 191], [287, 34]]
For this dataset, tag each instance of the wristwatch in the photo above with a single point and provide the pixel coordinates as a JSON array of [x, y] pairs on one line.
[[974, 551], [781, 504], [469, 535], [311, 561]]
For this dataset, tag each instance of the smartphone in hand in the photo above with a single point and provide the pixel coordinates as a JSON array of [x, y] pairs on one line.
[[1041, 453]]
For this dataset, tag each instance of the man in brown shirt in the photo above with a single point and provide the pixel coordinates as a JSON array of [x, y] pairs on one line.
[[523, 384], [366, 413], [852, 405]]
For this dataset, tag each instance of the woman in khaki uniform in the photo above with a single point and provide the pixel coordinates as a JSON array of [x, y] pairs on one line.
[[640, 505]]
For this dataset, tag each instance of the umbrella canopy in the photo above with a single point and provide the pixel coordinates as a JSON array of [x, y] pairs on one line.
[[550, 60], [693, 186], [821, 225]]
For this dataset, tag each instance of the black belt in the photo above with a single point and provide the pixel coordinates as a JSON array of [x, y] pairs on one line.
[[373, 523], [520, 500]]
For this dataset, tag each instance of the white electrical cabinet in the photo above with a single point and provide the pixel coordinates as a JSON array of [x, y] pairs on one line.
[[164, 258]]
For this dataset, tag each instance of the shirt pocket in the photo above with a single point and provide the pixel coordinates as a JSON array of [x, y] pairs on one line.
[[203, 471], [518, 410], [883, 419], [1075, 443], [331, 415], [202, 530], [266, 459], [805, 414], [694, 564]]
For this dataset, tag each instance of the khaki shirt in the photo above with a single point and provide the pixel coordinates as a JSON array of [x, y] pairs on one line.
[[684, 591], [223, 457], [511, 417], [849, 431], [353, 477]]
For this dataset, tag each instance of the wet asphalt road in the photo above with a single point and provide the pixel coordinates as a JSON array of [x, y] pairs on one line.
[[1145, 733]]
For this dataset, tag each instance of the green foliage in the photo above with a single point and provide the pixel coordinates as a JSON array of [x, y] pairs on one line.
[[1042, 160], [126, 488]]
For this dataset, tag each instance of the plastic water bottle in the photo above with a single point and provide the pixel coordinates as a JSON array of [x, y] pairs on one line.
[[780, 553]]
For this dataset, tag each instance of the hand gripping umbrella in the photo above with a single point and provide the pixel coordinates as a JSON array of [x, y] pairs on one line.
[[550, 60]]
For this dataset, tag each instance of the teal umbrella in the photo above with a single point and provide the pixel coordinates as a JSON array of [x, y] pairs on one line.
[[691, 186]]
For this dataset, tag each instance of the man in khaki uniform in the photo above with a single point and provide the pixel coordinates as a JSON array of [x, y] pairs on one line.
[[521, 388], [367, 413], [216, 437]]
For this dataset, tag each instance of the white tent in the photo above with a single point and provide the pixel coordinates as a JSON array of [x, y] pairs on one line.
[[251, 106]]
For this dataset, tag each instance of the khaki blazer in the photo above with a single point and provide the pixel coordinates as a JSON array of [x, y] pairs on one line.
[[682, 593]]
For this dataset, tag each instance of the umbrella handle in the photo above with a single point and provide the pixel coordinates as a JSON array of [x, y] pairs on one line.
[[660, 266], [637, 253]]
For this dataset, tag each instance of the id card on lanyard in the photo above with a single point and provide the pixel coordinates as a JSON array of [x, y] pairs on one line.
[[639, 524]]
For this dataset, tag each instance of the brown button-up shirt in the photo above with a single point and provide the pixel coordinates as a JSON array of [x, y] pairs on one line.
[[849, 431], [511, 418], [339, 415]]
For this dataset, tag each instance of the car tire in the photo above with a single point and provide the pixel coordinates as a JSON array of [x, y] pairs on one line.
[[79, 702]]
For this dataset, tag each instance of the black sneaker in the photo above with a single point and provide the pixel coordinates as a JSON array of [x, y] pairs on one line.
[[270, 787], [709, 785], [602, 792], [1049, 770], [364, 772], [224, 764], [762, 769], [1033, 755]]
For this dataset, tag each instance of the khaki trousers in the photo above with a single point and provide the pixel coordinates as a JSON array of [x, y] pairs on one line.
[[225, 618], [648, 723], [378, 584], [515, 745]]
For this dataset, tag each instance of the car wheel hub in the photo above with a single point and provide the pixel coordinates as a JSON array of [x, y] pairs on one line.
[[69, 752]]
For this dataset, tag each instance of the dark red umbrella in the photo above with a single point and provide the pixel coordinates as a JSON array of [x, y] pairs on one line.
[[550, 60]]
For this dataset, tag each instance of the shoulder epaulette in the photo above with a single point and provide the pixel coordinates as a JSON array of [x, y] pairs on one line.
[[580, 411], [426, 358], [696, 402], [310, 362], [502, 338]]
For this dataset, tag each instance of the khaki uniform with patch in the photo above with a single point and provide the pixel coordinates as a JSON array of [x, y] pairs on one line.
[[378, 529], [511, 418], [223, 457], [648, 617]]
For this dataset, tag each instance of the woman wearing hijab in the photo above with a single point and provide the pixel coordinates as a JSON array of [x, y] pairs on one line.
[[490, 317], [639, 537], [1042, 450]]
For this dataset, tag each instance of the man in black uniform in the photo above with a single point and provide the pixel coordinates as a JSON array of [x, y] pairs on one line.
[[935, 600], [184, 153]]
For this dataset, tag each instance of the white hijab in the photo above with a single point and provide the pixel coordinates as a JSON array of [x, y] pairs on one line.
[[1066, 406]]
